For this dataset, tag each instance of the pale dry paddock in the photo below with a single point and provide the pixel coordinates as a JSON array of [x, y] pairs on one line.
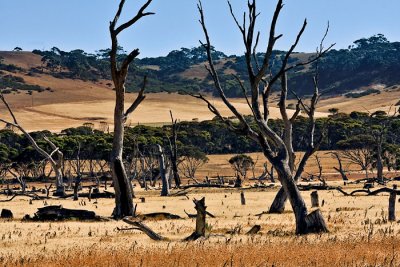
[[219, 165], [360, 234], [74, 102]]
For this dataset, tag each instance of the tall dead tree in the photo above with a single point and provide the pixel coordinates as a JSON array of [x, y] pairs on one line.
[[164, 173], [340, 170], [56, 162], [119, 71], [173, 150], [278, 150]]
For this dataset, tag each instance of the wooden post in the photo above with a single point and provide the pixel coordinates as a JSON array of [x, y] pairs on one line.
[[392, 204], [314, 199], [90, 194], [242, 198], [200, 220], [76, 188]]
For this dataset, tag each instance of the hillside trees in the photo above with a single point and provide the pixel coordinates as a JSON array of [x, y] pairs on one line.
[[119, 71], [277, 149]]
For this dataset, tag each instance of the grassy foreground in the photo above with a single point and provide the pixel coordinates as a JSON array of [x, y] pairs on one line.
[[360, 234]]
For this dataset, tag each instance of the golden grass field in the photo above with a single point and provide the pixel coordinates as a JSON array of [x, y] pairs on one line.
[[360, 234]]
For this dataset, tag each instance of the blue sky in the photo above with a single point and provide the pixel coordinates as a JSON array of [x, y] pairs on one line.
[[71, 24]]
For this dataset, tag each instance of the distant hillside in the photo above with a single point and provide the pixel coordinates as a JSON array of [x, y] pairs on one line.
[[55, 89], [366, 67]]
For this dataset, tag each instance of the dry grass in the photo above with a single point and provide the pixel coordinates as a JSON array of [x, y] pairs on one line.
[[219, 165], [360, 234]]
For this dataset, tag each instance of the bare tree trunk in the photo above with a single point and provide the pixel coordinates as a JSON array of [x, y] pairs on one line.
[[163, 172], [174, 151], [312, 223], [76, 188], [119, 71], [340, 169], [278, 205], [379, 160]]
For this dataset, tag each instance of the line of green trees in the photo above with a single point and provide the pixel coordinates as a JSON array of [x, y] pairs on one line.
[[359, 133]]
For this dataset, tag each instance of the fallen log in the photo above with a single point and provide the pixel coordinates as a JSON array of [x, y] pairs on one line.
[[104, 194], [206, 186], [368, 192], [371, 180], [33, 196], [143, 228], [315, 187], [159, 215], [58, 213], [179, 193]]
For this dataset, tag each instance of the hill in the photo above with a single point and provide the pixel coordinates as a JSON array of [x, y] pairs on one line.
[[57, 89]]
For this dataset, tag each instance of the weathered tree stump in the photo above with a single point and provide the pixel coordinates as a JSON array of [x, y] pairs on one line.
[[242, 198], [316, 223], [392, 204], [200, 231], [314, 199], [6, 214]]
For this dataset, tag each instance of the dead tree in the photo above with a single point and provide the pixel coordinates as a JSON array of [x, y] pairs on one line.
[[278, 150], [278, 205], [119, 71], [341, 170], [173, 150], [163, 172], [56, 163], [320, 168]]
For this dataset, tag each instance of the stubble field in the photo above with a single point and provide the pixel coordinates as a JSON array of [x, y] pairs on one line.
[[360, 234]]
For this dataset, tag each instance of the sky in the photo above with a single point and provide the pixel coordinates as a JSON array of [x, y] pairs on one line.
[[83, 24]]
